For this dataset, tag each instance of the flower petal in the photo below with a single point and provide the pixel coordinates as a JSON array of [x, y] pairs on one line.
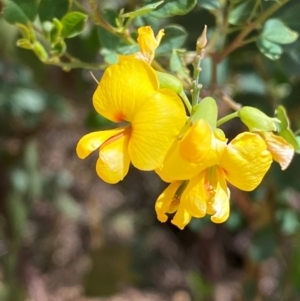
[[246, 160], [218, 205], [124, 88], [165, 200], [193, 199], [90, 142], [148, 43], [113, 163], [181, 218], [196, 142], [154, 128], [281, 151], [175, 167]]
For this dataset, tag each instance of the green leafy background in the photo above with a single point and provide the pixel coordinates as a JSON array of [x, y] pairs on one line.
[[66, 235]]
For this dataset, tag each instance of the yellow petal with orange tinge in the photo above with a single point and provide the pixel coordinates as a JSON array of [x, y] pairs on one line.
[[165, 200], [154, 128], [245, 161], [218, 204], [181, 218], [282, 152], [148, 43], [193, 199], [196, 142], [113, 162], [124, 88], [90, 142]]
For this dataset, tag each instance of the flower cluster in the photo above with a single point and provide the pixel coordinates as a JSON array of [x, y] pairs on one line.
[[189, 152]]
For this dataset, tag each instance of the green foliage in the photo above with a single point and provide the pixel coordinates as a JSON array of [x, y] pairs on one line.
[[171, 8], [210, 4], [18, 11], [142, 11], [73, 24], [48, 9], [106, 38], [46, 195], [241, 12], [275, 33], [175, 37]]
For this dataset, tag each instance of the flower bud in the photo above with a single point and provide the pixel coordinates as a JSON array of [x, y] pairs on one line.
[[23, 43], [169, 81], [256, 120], [40, 51], [202, 40]]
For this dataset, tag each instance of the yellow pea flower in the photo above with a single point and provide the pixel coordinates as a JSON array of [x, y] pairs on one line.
[[243, 163], [150, 117]]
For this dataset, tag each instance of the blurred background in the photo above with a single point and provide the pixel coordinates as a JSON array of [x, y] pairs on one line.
[[67, 236]]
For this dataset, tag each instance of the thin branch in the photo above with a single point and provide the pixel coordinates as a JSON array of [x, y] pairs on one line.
[[239, 40]]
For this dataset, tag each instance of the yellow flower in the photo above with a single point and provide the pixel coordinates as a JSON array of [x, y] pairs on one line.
[[243, 163], [150, 118]]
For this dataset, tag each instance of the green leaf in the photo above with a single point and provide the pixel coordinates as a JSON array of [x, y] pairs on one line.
[[291, 17], [40, 51], [241, 13], [207, 109], [23, 43], [175, 37], [73, 24], [58, 48], [276, 31], [110, 56], [142, 11], [172, 8], [20, 11], [210, 4], [56, 30], [271, 50], [49, 9]]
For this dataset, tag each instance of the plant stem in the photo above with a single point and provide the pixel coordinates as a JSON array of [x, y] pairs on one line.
[[99, 20], [227, 118], [186, 101], [74, 64], [239, 40], [196, 87], [81, 7]]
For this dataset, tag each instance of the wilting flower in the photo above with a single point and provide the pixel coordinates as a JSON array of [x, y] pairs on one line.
[[199, 180], [148, 43], [150, 118], [281, 151]]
